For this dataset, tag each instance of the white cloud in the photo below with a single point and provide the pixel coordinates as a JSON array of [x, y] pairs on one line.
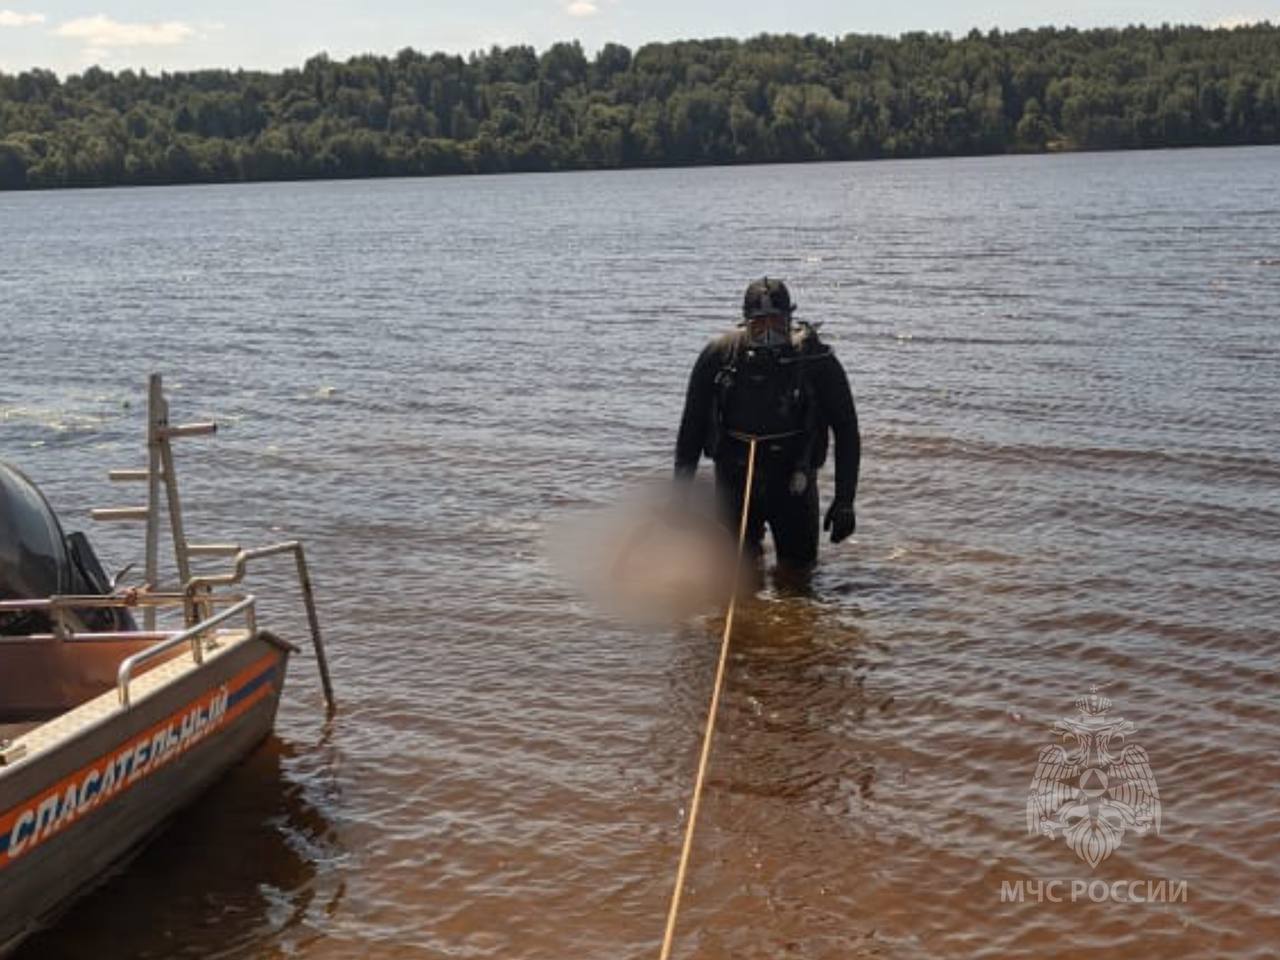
[[1243, 20], [582, 8], [11, 18], [102, 32]]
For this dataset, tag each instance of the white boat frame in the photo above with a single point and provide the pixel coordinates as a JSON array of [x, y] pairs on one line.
[[146, 720]]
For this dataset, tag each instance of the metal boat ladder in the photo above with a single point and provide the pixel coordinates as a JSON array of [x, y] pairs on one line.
[[161, 479], [160, 474]]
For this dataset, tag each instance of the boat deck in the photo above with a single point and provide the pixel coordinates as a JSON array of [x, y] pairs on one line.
[[12, 731], [28, 740]]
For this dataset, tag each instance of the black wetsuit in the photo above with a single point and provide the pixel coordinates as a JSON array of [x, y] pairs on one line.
[[791, 400]]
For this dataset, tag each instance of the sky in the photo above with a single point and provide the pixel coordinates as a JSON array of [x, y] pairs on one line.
[[69, 35]]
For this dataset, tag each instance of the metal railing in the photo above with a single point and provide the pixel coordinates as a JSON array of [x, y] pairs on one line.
[[197, 600], [198, 596], [193, 635], [67, 601], [59, 605]]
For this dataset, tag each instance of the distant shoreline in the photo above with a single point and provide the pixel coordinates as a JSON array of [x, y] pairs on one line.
[[631, 169], [771, 99]]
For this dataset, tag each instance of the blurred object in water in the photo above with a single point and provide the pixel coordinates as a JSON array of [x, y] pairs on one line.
[[657, 555]]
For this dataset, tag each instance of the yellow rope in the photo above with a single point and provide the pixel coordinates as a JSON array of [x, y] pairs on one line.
[[711, 712]]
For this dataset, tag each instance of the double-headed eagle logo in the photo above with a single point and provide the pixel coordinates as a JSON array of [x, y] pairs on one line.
[[1094, 785]]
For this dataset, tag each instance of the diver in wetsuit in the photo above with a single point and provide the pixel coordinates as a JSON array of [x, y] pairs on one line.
[[775, 381]]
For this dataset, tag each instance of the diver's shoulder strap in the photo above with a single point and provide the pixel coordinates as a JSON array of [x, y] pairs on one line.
[[806, 341]]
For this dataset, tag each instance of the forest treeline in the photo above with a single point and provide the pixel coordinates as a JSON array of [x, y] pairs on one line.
[[771, 98]]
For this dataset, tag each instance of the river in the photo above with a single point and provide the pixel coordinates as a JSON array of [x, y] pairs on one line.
[[1066, 372]]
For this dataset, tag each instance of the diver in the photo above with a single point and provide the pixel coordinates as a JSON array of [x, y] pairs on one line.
[[776, 381]]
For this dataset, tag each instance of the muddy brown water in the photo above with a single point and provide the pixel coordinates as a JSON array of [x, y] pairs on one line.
[[1066, 369]]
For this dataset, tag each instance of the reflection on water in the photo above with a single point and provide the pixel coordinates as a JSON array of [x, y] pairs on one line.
[[247, 871]]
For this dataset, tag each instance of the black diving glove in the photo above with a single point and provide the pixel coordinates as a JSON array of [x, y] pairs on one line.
[[840, 520]]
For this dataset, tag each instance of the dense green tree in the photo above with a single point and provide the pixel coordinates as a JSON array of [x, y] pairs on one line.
[[14, 161], [770, 98]]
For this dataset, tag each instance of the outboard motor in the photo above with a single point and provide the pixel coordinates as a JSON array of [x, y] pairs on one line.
[[37, 560]]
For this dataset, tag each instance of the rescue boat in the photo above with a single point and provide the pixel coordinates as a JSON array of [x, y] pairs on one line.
[[109, 726]]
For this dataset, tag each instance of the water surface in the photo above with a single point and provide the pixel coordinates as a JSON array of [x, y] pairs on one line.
[[1065, 369]]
